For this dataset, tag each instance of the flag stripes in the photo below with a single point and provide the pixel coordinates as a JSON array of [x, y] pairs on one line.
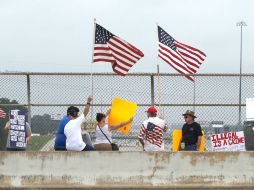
[[112, 49], [183, 58], [2, 113], [155, 137]]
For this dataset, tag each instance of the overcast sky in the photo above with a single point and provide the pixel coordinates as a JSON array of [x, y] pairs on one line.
[[56, 35]]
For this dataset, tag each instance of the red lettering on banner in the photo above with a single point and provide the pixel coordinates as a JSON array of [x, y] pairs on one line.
[[213, 138], [217, 144], [224, 136], [217, 137], [241, 140], [226, 139], [234, 135]]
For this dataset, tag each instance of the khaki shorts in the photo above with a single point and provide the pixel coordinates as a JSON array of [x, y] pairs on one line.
[[103, 147]]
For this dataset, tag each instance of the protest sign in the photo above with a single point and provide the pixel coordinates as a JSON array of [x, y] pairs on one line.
[[231, 141], [121, 111], [17, 129], [250, 109]]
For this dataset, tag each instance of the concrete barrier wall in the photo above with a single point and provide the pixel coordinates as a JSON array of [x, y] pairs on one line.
[[126, 169]]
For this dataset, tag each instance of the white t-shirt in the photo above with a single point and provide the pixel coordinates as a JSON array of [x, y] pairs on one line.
[[156, 135], [72, 131], [100, 138]]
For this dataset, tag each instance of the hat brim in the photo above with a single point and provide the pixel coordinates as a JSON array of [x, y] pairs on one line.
[[190, 115], [151, 111]]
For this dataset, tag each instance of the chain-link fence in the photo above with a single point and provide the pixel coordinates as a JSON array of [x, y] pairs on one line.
[[46, 96]]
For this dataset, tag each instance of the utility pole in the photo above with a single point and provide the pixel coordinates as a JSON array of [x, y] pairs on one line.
[[241, 24]]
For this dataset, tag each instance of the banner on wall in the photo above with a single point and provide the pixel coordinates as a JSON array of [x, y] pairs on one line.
[[17, 129], [231, 141]]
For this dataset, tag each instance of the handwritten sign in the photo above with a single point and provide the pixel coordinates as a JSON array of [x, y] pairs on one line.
[[17, 129], [232, 141]]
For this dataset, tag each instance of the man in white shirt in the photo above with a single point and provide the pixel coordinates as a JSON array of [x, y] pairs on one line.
[[73, 131], [151, 132]]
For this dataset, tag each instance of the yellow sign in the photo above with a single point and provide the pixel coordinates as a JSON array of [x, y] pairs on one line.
[[121, 111], [177, 137]]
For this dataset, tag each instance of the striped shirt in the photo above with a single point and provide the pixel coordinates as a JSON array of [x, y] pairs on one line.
[[152, 133]]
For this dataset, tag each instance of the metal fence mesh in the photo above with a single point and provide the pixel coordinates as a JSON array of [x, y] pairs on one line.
[[213, 97]]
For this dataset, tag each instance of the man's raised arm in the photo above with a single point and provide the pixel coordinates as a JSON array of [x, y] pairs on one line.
[[87, 107]]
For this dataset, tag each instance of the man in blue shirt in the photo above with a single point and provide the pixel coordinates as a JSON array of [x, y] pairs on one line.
[[60, 141]]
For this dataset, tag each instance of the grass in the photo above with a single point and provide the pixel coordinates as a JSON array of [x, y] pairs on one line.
[[37, 142]]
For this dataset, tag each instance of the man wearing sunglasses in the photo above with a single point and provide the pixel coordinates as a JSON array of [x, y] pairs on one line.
[[191, 132]]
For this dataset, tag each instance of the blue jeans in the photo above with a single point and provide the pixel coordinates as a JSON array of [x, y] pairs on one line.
[[190, 147]]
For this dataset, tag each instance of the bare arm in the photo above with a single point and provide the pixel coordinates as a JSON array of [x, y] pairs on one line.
[[28, 138], [28, 133], [179, 146], [114, 127], [7, 126], [142, 142], [87, 107], [199, 142], [108, 112]]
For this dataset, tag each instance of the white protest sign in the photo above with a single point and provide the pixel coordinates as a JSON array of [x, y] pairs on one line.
[[250, 109], [17, 129], [231, 141]]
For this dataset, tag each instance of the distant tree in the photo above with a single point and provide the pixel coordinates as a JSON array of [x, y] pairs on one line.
[[7, 108], [43, 124]]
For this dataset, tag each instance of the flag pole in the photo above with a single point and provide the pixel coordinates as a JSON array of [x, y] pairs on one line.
[[159, 83], [241, 24], [194, 93], [91, 68]]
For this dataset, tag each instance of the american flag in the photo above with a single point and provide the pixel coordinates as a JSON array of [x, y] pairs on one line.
[[153, 135], [183, 58], [110, 48], [2, 113]]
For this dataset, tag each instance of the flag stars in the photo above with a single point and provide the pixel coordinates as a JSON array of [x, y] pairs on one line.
[[102, 35], [166, 39]]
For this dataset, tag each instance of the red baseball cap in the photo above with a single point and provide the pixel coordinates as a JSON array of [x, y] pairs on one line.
[[151, 110]]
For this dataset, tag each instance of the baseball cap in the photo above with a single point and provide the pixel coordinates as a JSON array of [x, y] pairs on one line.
[[151, 110]]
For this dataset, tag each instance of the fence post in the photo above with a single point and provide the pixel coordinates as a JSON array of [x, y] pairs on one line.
[[29, 99], [152, 90]]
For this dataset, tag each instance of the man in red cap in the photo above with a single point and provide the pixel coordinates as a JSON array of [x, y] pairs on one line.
[[151, 132]]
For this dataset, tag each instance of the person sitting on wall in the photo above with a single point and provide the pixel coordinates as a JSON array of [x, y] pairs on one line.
[[191, 132], [60, 141], [151, 132], [72, 130], [103, 132]]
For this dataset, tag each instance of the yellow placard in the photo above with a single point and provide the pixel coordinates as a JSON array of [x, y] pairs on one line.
[[121, 111], [177, 137]]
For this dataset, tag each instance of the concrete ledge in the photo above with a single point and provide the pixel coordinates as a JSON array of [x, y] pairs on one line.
[[125, 170]]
